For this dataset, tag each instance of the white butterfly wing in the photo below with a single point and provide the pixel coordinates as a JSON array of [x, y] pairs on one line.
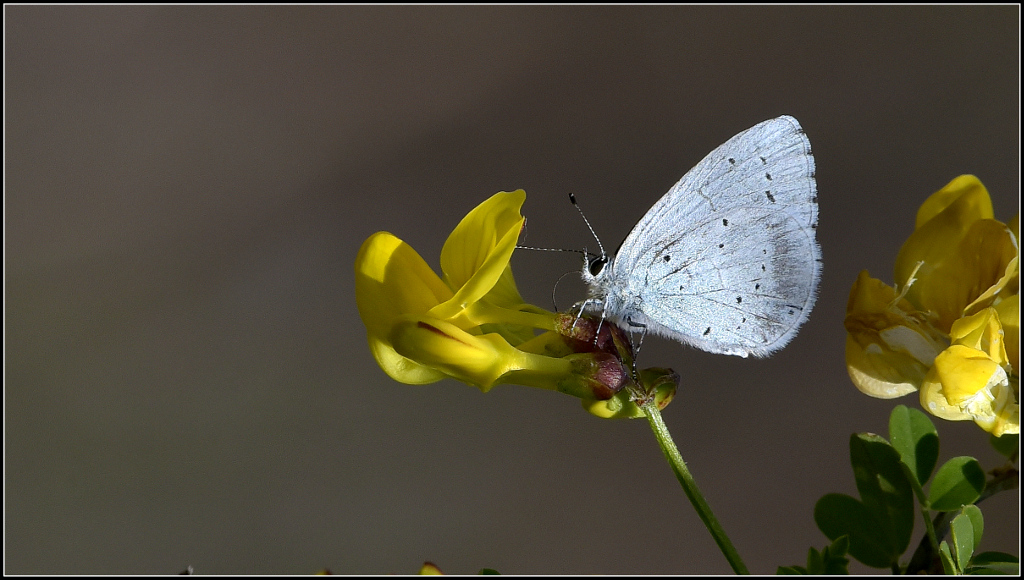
[[727, 260]]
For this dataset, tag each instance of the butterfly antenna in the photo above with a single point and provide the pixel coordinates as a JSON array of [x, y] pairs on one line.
[[572, 198], [518, 247], [522, 235]]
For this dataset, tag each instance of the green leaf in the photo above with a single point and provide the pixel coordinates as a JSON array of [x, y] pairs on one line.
[[986, 558], [884, 489], [834, 556], [914, 436], [831, 560], [815, 563], [840, 515], [880, 523], [1006, 445], [489, 571], [963, 540], [947, 560], [958, 482], [973, 513], [839, 547], [994, 563]]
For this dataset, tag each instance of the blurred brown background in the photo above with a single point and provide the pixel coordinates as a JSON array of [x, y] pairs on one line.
[[187, 378]]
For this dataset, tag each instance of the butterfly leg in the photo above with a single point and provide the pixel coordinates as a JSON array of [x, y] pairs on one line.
[[579, 315], [583, 308], [597, 332], [636, 350]]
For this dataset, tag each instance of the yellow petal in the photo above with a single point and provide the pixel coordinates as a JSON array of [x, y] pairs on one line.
[[1009, 320], [398, 367], [504, 303], [979, 388], [964, 372], [393, 281], [1007, 416], [991, 250], [1006, 285], [445, 347], [478, 234], [430, 569], [871, 295], [933, 250], [979, 204], [477, 253], [882, 374], [505, 293], [959, 268], [934, 401], [889, 348], [982, 332], [480, 360]]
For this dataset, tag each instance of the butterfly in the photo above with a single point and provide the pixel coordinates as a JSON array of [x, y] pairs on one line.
[[727, 260]]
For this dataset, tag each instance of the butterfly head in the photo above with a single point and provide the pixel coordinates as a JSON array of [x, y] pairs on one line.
[[594, 267]]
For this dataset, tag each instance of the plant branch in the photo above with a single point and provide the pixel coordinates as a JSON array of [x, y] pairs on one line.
[[675, 460]]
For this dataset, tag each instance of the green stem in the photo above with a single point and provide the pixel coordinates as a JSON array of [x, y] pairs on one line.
[[929, 528], [690, 487]]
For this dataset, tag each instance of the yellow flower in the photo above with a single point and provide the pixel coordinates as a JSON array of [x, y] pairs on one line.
[[430, 569], [951, 329], [473, 325]]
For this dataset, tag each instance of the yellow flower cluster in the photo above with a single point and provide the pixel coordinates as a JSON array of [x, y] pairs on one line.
[[472, 325], [951, 328]]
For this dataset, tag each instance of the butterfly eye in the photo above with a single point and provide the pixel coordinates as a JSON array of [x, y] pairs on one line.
[[597, 264]]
